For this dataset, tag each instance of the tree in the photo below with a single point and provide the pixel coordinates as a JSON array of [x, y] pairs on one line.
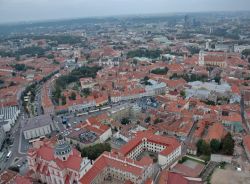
[[86, 92], [50, 56], [153, 54], [183, 94], [245, 83], [20, 67], [17, 58], [72, 96], [203, 147], [199, 146], [160, 71], [145, 81], [193, 50], [125, 121], [93, 152], [217, 79], [246, 52], [146, 78], [31, 51], [215, 145], [63, 100], [158, 120], [147, 119], [228, 144]]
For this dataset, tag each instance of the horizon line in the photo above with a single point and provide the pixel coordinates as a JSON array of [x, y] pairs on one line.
[[22, 22]]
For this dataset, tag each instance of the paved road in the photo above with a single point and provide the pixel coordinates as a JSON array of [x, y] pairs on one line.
[[188, 139], [242, 109], [15, 136], [37, 101]]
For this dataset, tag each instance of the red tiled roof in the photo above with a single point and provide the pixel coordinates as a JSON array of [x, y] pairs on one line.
[[216, 131], [22, 180], [167, 177], [235, 117], [170, 143], [115, 161], [46, 152]]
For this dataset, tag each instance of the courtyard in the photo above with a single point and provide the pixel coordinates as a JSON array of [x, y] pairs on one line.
[[230, 176]]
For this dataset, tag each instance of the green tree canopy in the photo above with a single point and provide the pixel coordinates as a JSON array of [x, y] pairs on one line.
[[72, 96], [147, 119], [246, 52], [125, 121], [20, 67], [153, 54], [93, 152], [215, 145], [203, 147], [160, 71], [228, 144]]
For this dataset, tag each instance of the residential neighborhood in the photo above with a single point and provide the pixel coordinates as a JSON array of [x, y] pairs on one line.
[[161, 99]]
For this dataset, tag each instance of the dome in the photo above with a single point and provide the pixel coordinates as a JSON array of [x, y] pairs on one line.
[[62, 148]]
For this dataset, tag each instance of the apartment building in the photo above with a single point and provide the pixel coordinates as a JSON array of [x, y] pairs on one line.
[[168, 149]]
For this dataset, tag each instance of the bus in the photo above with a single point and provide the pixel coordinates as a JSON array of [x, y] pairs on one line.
[[81, 114], [94, 111], [37, 139], [9, 155], [105, 108]]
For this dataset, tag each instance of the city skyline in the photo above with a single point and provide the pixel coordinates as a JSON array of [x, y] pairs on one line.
[[27, 10]]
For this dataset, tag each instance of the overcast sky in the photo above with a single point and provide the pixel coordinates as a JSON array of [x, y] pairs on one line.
[[26, 10]]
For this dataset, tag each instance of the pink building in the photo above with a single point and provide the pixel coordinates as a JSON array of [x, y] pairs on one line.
[[56, 163]]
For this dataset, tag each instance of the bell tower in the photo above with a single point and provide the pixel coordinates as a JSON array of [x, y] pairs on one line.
[[201, 61]]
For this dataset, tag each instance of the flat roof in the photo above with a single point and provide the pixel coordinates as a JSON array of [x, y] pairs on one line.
[[36, 122]]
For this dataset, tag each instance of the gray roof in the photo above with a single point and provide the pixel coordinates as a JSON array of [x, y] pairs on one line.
[[8, 112], [36, 122]]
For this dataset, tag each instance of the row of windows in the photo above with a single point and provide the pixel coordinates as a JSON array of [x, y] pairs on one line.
[[37, 132]]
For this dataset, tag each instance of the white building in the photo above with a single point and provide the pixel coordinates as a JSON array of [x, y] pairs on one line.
[[168, 149], [81, 106], [109, 61], [155, 89], [9, 115], [204, 90], [38, 126], [87, 83], [240, 48]]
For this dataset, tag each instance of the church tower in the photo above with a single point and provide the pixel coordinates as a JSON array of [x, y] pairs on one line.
[[63, 149], [201, 61]]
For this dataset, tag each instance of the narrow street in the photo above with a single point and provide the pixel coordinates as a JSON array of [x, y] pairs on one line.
[[242, 109]]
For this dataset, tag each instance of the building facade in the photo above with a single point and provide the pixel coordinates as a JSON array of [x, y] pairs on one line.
[[111, 166], [2, 136], [38, 126], [56, 164], [212, 59], [167, 149]]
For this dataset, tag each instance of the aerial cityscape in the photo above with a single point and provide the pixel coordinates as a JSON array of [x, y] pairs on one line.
[[125, 96]]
